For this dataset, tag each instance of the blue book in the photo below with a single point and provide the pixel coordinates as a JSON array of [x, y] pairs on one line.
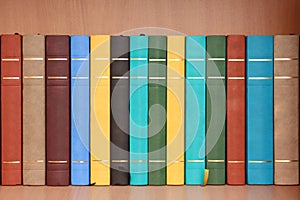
[[259, 108], [195, 109], [138, 110], [80, 131]]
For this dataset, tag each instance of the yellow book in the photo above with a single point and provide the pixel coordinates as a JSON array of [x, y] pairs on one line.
[[175, 110], [100, 109]]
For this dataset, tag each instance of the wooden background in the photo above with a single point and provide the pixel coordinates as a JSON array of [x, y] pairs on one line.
[[191, 17]]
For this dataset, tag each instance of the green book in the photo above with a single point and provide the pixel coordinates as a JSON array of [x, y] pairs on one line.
[[157, 110], [216, 109]]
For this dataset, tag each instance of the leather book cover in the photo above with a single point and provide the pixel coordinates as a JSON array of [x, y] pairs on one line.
[[119, 109], [34, 134], [259, 109], [216, 109], [175, 109], [236, 112], [195, 90], [100, 109], [138, 141], [80, 110], [157, 109], [11, 109], [286, 109], [58, 109]]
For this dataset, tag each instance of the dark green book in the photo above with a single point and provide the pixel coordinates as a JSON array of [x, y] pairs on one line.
[[216, 109], [157, 110]]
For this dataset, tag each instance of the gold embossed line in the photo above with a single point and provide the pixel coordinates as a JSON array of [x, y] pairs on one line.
[[138, 161], [216, 77], [236, 78], [285, 59], [175, 59], [157, 161], [58, 77], [195, 77], [259, 161], [286, 161], [157, 78], [285, 77], [119, 77], [216, 59], [235, 161], [195, 59], [11, 78], [33, 59], [58, 59], [105, 161], [119, 59], [11, 59], [80, 59], [260, 78], [142, 59], [102, 77], [157, 59], [260, 59], [33, 161], [80, 161], [216, 161], [119, 161], [196, 161], [236, 59], [33, 77], [80, 77], [57, 161], [11, 162]]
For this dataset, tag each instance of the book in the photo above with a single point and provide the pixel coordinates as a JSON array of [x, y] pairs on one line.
[[157, 72], [80, 110], [175, 109], [286, 109], [195, 90], [58, 109], [259, 109], [11, 109], [100, 109], [34, 133], [216, 109], [236, 110], [119, 110], [138, 109]]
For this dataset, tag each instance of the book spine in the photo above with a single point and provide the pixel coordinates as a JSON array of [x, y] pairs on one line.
[[11, 109], [157, 109], [259, 108], [80, 121], [34, 135], [119, 121], [195, 89], [236, 112], [58, 109], [100, 109], [175, 109], [286, 110], [216, 109], [138, 110]]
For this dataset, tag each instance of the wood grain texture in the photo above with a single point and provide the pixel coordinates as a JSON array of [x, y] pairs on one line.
[[192, 17]]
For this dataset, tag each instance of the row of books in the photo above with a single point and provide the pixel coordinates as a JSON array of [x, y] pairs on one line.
[[149, 110]]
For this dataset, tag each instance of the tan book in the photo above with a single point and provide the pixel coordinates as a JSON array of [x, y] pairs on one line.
[[33, 110], [286, 109]]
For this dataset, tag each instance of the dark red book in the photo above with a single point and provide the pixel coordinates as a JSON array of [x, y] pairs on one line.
[[236, 113], [58, 110], [11, 109]]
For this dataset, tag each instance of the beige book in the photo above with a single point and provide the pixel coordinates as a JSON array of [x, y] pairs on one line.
[[34, 110], [286, 109]]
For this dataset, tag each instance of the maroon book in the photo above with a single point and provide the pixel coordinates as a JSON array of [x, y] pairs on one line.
[[236, 113], [11, 109], [58, 109]]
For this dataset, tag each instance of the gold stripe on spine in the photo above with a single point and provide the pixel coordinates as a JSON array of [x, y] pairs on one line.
[[102, 76], [27, 59], [216, 77], [216, 59], [79, 161], [285, 77], [138, 59], [157, 59], [119, 161], [175, 59], [259, 161], [119, 59], [106, 161], [236, 78], [216, 161], [80, 59], [175, 78], [33, 77], [10, 59], [195, 77], [138, 161], [80, 77], [11, 78], [57, 161], [260, 59], [58, 59], [286, 161], [119, 77], [196, 161], [157, 78], [157, 161], [236, 161], [177, 161], [139, 77], [195, 59], [11, 162], [236, 59], [285, 59], [260, 78], [57, 77], [33, 161]]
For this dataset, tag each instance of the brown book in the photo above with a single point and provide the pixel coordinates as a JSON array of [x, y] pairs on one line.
[[11, 112], [34, 110], [286, 109], [236, 113], [58, 109]]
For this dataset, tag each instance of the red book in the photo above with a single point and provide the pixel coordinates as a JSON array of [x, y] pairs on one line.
[[11, 109], [58, 110], [236, 113]]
